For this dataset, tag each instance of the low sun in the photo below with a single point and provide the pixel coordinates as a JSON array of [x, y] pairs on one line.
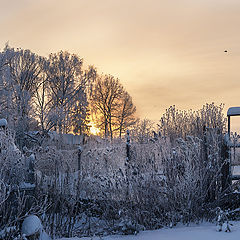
[[94, 130]]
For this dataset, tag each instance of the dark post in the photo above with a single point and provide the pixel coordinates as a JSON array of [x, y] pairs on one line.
[[226, 176], [229, 126], [211, 186], [226, 156], [127, 164], [79, 157], [128, 145], [31, 174]]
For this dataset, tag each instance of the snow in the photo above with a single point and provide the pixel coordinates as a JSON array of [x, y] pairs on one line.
[[236, 170], [233, 111], [25, 185], [3, 122], [204, 231], [31, 225]]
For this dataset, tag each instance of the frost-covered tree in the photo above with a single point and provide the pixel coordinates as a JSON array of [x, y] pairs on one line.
[[142, 130], [68, 84], [3, 84], [19, 81], [80, 115]]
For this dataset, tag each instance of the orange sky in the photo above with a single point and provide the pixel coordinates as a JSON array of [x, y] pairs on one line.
[[164, 52]]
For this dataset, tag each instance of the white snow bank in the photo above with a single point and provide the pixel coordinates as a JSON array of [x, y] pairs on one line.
[[205, 231]]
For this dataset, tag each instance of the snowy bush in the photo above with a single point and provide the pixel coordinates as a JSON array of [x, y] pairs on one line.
[[11, 159], [191, 181], [178, 124]]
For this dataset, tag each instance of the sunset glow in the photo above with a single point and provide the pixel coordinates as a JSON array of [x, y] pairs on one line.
[[164, 52], [93, 129]]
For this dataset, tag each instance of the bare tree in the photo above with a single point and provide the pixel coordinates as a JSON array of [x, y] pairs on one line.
[[106, 97], [125, 113], [112, 105], [20, 78], [68, 85], [42, 105], [80, 115]]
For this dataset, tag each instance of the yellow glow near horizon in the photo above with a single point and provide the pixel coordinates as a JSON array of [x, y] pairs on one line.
[[93, 129]]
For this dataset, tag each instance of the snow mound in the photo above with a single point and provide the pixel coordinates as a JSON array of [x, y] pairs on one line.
[[31, 225]]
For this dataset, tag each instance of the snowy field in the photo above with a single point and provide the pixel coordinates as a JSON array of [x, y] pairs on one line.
[[203, 231]]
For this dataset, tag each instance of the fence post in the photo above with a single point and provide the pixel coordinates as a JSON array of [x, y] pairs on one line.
[[79, 157], [128, 145], [211, 186], [225, 171], [31, 169], [127, 164]]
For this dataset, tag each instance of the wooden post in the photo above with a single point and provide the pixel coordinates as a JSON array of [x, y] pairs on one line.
[[128, 145], [211, 186], [127, 164], [229, 127], [31, 169], [226, 173], [79, 157], [226, 156]]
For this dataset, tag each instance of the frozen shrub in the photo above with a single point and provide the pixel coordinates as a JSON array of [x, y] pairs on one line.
[[178, 124], [11, 159], [191, 179]]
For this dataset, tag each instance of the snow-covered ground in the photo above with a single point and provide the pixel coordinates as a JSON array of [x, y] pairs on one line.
[[204, 231]]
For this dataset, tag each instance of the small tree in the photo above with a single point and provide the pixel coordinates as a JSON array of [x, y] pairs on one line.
[[125, 114], [112, 106], [142, 130]]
